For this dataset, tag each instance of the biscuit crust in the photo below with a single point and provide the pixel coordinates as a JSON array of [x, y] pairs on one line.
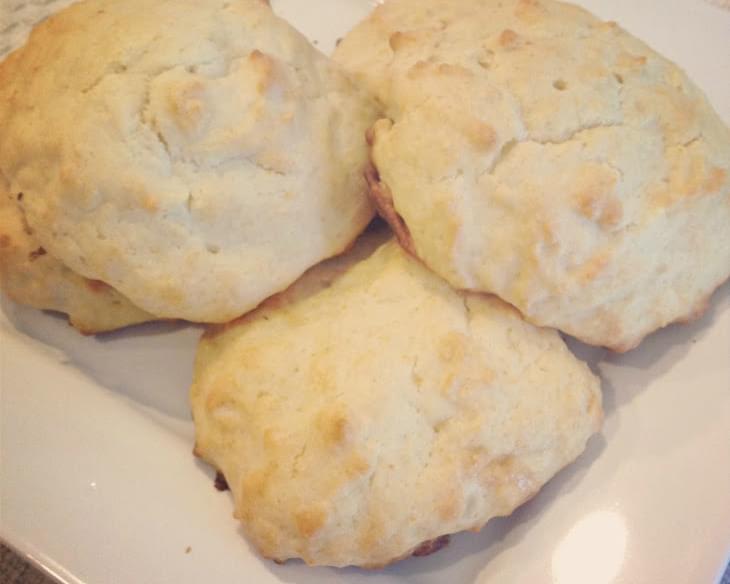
[[198, 167], [30, 275], [533, 151], [371, 409]]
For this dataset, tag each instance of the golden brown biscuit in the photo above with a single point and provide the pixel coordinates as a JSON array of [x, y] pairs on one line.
[[197, 166], [30, 275], [358, 415], [532, 151]]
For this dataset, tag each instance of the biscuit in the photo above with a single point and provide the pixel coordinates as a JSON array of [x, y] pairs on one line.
[[30, 275], [530, 150], [196, 155], [355, 417]]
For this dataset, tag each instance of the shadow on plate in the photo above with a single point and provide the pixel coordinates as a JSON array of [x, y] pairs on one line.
[[165, 351], [150, 364]]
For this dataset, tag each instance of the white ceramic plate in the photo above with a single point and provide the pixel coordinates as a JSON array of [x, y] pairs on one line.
[[99, 486]]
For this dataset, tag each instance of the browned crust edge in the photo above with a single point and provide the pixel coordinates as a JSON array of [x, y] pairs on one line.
[[425, 548], [695, 313], [382, 198]]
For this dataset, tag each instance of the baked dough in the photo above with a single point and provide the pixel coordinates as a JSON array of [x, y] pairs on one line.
[[533, 151], [367, 410], [30, 275], [196, 155]]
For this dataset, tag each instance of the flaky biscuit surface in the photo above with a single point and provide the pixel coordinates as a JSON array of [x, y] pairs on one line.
[[198, 156], [535, 152], [356, 416]]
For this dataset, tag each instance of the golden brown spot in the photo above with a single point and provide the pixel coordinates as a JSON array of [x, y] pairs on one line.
[[529, 10], [697, 310], [320, 373], [450, 504], [596, 201], [714, 180], [481, 135], [474, 458], [97, 286], [337, 431], [334, 427], [547, 232], [172, 294], [454, 70], [355, 466], [508, 39], [187, 106], [630, 62], [254, 486], [149, 203], [275, 161], [219, 398], [499, 471], [605, 210], [447, 383], [612, 212], [420, 68], [5, 240], [486, 58], [689, 177], [372, 535], [399, 39], [67, 172], [264, 66], [591, 269], [272, 439], [267, 540], [310, 521], [452, 347], [479, 377], [511, 483]]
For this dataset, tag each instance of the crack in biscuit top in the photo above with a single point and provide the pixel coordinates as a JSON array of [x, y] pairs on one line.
[[178, 160], [529, 148]]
